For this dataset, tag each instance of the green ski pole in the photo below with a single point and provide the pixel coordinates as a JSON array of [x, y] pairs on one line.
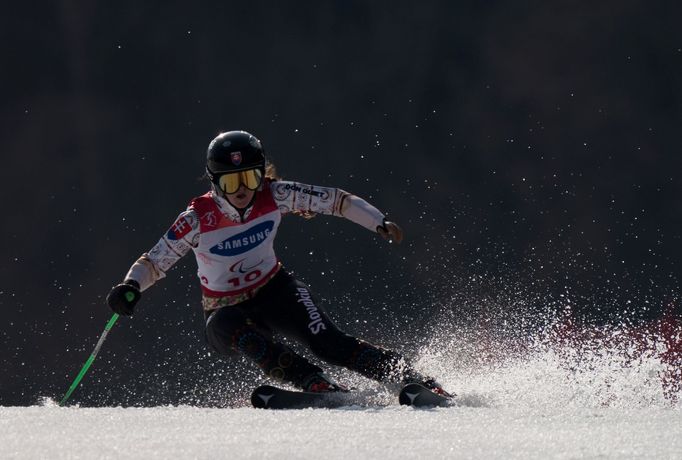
[[87, 364]]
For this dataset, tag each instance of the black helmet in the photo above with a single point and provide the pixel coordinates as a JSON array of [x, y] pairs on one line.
[[234, 151]]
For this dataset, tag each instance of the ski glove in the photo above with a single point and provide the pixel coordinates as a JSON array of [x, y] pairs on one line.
[[390, 232], [124, 296]]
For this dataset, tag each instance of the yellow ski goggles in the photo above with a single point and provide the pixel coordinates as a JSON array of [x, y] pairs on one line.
[[230, 182]]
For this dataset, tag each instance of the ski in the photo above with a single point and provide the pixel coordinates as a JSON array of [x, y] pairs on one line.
[[269, 397], [417, 395]]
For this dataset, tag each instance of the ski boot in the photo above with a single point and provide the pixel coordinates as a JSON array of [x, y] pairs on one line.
[[320, 383], [436, 387]]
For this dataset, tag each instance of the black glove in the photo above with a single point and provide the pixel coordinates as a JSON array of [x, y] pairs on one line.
[[123, 297]]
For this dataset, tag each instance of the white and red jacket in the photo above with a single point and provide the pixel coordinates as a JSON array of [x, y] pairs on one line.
[[235, 254]]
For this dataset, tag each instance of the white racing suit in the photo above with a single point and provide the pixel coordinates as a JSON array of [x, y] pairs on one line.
[[235, 253], [248, 297]]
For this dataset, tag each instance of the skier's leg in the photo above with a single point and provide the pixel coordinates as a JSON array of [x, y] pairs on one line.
[[372, 361], [297, 314], [230, 331]]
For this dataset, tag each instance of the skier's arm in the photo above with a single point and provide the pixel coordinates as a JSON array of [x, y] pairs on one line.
[[173, 245], [297, 197], [152, 265]]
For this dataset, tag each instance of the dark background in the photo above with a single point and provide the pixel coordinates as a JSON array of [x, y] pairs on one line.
[[530, 150]]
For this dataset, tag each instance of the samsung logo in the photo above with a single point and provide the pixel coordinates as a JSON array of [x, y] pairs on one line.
[[244, 241]]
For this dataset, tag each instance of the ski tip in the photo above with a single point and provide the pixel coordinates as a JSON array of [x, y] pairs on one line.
[[261, 396], [417, 395], [269, 397], [409, 393]]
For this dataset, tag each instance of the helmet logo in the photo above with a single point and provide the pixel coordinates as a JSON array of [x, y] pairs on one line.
[[236, 158]]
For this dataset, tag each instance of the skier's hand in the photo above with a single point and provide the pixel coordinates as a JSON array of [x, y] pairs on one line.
[[390, 232], [123, 297]]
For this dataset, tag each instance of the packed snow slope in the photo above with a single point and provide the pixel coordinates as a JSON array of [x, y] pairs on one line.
[[564, 391], [391, 432]]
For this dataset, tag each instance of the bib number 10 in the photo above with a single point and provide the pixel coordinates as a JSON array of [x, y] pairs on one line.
[[248, 278]]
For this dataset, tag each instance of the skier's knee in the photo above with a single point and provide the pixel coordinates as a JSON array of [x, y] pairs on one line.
[[218, 341], [248, 342], [244, 341], [219, 334]]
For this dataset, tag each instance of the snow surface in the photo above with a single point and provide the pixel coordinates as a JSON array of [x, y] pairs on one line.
[[563, 392], [388, 432]]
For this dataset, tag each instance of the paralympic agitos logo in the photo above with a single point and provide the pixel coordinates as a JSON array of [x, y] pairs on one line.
[[244, 241]]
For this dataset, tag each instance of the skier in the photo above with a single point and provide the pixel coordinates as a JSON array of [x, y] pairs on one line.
[[248, 296]]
